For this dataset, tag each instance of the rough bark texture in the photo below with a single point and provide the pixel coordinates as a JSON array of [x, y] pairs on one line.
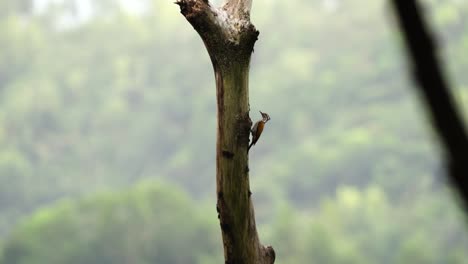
[[229, 38], [435, 90]]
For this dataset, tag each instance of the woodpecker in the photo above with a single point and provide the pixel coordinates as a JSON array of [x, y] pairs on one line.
[[257, 128]]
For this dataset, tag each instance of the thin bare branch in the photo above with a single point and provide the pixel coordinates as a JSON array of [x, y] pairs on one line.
[[435, 89]]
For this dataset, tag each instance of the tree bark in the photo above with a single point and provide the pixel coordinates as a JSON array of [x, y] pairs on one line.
[[229, 37]]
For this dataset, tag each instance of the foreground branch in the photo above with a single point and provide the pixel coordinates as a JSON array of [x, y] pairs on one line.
[[229, 38], [435, 90]]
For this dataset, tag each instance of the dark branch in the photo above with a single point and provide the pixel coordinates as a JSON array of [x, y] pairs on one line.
[[435, 90]]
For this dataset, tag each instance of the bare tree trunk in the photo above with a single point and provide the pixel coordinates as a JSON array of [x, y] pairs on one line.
[[229, 38]]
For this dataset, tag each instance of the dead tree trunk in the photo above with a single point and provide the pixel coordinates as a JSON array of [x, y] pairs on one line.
[[229, 38]]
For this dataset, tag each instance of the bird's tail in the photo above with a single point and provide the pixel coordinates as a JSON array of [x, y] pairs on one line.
[[251, 144]]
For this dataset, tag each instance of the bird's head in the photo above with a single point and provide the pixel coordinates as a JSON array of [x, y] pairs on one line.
[[265, 117]]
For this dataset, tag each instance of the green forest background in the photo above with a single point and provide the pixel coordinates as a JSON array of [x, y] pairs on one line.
[[107, 135]]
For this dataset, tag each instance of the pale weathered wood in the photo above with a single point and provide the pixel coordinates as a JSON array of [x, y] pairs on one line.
[[229, 37]]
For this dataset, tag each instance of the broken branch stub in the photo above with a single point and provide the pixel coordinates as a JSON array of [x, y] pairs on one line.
[[227, 31]]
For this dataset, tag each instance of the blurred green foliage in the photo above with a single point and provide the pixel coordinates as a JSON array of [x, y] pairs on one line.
[[149, 224], [97, 98], [157, 223]]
